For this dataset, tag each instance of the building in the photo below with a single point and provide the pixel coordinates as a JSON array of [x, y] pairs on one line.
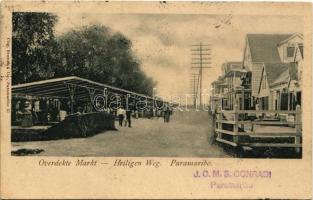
[[229, 66], [219, 88], [262, 50], [274, 91], [270, 75], [228, 89], [237, 92]]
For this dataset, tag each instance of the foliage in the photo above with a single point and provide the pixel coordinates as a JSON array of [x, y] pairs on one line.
[[98, 54], [34, 46], [93, 52]]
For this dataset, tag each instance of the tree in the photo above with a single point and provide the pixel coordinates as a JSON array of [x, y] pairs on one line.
[[93, 52], [34, 46], [98, 54]]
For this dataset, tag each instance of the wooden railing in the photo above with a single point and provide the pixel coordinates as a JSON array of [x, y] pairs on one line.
[[231, 128]]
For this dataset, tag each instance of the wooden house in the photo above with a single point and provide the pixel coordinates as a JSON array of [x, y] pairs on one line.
[[270, 48], [217, 96], [273, 91]]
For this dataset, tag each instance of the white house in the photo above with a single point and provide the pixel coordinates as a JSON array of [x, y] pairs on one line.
[[263, 50]]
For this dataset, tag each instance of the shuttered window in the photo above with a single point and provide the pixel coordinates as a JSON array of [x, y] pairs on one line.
[[290, 52]]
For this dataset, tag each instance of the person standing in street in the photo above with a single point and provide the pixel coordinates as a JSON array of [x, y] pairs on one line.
[[124, 118], [166, 114], [136, 114], [120, 113], [128, 118]]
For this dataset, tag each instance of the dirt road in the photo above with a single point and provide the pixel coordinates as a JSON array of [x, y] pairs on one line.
[[187, 135]]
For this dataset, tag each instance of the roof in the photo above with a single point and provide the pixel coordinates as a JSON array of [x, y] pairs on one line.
[[58, 88], [220, 80], [263, 47], [234, 64], [236, 73], [282, 78], [280, 72], [218, 83], [291, 37]]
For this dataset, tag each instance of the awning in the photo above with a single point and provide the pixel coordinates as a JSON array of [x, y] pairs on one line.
[[83, 89]]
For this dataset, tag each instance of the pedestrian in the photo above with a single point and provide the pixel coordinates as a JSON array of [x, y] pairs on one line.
[[124, 117], [164, 113], [120, 114], [168, 113], [128, 118]]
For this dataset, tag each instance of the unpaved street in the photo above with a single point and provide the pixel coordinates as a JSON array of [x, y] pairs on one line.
[[187, 135]]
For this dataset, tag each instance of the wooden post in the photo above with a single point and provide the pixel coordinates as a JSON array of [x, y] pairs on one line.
[[298, 127], [242, 98], [242, 103], [221, 103], [235, 130], [71, 89], [213, 124], [105, 93], [219, 124], [288, 101]]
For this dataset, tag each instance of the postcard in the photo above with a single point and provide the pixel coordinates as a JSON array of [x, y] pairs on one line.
[[156, 100]]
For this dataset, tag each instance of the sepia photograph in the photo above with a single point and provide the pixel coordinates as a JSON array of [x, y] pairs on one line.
[[163, 85], [155, 100]]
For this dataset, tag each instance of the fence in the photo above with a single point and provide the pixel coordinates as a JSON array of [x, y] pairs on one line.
[[238, 129]]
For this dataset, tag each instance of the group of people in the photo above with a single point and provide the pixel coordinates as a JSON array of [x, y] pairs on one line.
[[37, 111], [124, 116], [167, 111], [41, 111]]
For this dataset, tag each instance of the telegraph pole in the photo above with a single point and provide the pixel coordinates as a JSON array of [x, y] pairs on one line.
[[200, 59], [194, 84]]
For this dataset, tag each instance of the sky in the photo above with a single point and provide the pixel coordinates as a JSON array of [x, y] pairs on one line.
[[162, 42]]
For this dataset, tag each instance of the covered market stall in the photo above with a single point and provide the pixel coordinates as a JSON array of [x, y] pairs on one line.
[[68, 107]]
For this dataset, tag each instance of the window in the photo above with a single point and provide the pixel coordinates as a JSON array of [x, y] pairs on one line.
[[290, 51]]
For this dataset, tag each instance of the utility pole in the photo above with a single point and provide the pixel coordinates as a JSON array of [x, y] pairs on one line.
[[194, 87], [200, 59]]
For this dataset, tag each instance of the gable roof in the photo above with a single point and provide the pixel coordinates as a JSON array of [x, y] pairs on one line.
[[234, 64], [263, 47], [280, 72], [229, 66], [236, 73], [282, 78], [291, 37]]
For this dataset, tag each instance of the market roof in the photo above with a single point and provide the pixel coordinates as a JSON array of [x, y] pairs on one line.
[[59, 88], [263, 47]]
